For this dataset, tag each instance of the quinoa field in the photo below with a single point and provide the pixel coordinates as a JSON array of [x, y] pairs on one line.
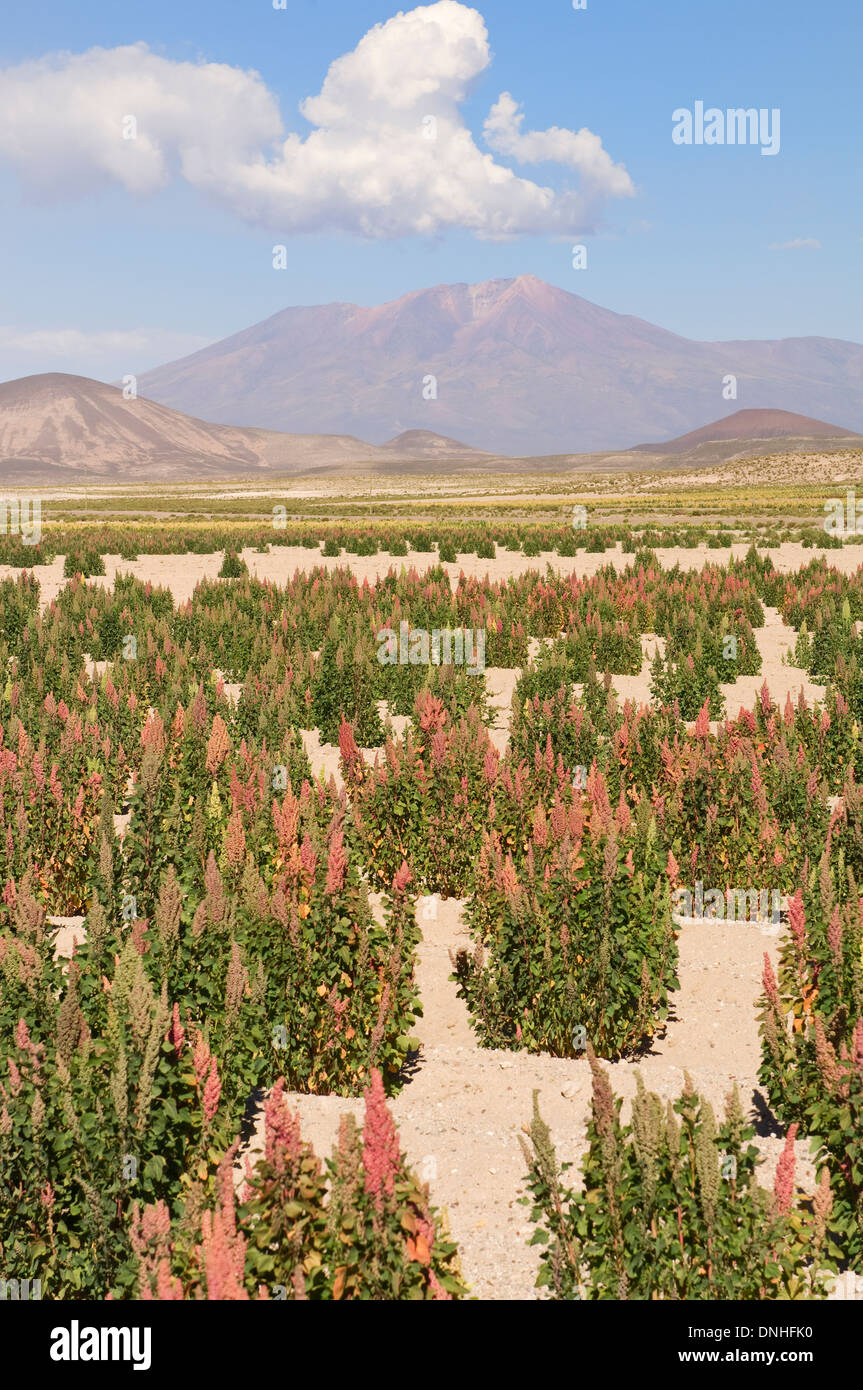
[[438, 914]]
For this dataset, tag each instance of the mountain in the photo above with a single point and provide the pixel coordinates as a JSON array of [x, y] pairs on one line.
[[59, 427], [423, 444], [519, 367], [56, 422], [751, 424]]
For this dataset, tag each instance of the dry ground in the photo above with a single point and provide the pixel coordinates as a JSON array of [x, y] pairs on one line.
[[181, 573], [461, 1112]]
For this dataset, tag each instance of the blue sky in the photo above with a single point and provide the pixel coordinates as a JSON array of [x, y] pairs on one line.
[[101, 277]]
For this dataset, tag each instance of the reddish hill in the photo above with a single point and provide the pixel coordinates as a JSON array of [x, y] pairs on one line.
[[749, 424]]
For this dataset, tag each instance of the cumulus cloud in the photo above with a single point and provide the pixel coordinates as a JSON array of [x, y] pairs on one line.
[[64, 120], [799, 244], [389, 153], [580, 149]]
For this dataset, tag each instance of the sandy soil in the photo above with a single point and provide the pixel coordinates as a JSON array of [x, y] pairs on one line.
[[461, 1112], [181, 573]]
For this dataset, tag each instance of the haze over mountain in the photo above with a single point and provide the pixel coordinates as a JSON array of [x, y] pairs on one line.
[[425, 444], [751, 424], [57, 426], [520, 368]]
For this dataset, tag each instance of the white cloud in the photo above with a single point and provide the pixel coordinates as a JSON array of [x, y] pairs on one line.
[[75, 343], [62, 119], [366, 168], [799, 244], [580, 149]]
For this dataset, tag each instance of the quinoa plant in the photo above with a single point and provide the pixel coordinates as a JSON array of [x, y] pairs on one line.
[[812, 1040], [360, 1228], [574, 939], [670, 1207]]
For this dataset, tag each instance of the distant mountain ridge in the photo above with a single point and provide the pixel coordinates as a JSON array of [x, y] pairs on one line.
[[58, 428], [56, 425], [514, 366]]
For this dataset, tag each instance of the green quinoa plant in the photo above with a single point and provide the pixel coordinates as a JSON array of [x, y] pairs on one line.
[[670, 1207]]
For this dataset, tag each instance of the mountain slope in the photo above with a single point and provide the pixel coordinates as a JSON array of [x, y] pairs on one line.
[[520, 368], [73, 422], [57, 426], [423, 444], [749, 424]]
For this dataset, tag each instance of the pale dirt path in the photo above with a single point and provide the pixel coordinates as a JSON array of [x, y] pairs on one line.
[[500, 683], [776, 642], [461, 1112]]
